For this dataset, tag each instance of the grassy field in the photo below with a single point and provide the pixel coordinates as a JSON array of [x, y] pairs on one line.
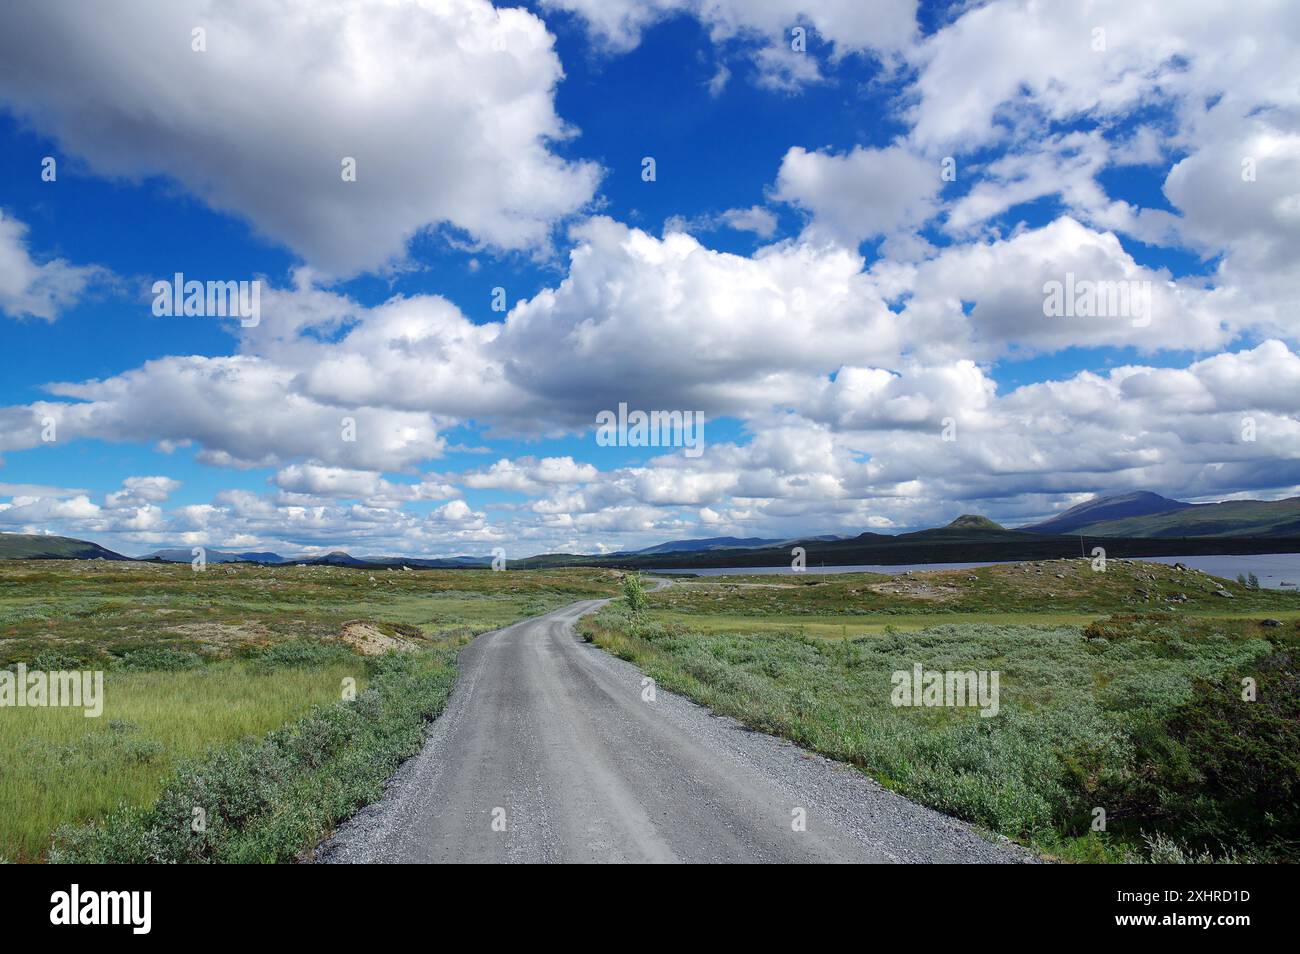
[[1119, 691], [60, 766], [225, 688], [93, 613], [1047, 590], [1055, 593]]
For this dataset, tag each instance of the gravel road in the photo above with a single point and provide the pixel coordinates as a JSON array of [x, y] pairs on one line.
[[549, 751]]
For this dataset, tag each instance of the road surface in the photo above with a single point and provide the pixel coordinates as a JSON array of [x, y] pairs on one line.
[[550, 750]]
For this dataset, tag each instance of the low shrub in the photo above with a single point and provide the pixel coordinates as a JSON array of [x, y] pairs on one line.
[[270, 799], [1139, 715], [159, 658], [302, 653]]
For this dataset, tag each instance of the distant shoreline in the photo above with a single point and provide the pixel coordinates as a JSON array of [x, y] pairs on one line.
[[1271, 575], [972, 550]]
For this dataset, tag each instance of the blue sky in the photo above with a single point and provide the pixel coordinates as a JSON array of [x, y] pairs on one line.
[[799, 272]]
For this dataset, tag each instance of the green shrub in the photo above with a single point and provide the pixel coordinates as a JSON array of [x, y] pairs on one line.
[[1140, 715], [53, 660], [1246, 755], [634, 596], [302, 653], [269, 799], [159, 658]]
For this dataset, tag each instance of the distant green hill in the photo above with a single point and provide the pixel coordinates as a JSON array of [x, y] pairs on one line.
[[35, 546], [971, 521], [1140, 503], [968, 528], [1232, 518], [337, 558]]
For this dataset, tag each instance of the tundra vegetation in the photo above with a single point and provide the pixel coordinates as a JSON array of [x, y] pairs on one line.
[[273, 700], [1147, 712]]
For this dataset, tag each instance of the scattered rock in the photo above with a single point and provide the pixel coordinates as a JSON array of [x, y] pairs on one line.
[[1224, 593], [367, 639]]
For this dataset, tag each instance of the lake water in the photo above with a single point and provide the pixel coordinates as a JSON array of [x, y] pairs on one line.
[[1273, 569]]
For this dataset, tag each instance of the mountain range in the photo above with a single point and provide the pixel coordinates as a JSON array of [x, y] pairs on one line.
[[39, 546], [1150, 515], [333, 558], [186, 554], [1133, 524], [1101, 509]]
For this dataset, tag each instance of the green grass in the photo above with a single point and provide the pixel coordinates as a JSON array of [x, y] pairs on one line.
[[845, 627], [61, 767], [93, 613], [207, 672], [1139, 713], [273, 798]]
